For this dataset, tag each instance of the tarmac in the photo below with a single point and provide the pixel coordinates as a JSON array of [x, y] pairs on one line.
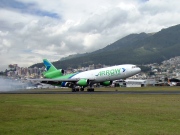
[[169, 92]]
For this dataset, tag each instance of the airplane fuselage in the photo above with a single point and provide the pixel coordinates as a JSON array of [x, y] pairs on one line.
[[108, 74]]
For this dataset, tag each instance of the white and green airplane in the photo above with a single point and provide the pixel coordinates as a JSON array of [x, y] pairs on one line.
[[104, 76]]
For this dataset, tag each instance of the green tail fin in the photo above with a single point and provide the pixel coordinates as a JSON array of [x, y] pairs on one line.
[[49, 66], [51, 71]]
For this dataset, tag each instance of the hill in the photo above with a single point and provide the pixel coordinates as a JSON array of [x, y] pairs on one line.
[[135, 48]]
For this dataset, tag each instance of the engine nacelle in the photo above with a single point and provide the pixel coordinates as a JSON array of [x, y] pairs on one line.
[[106, 83], [54, 74], [83, 82]]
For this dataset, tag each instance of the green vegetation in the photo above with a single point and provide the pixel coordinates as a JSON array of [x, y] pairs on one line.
[[109, 114]]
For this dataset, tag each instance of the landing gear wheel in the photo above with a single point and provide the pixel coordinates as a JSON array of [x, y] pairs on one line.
[[77, 89], [82, 89], [73, 90], [90, 89]]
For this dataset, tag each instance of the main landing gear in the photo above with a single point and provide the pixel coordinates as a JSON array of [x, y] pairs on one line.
[[74, 89], [90, 89]]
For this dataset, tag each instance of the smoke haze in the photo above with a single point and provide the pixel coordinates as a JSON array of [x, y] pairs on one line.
[[9, 84]]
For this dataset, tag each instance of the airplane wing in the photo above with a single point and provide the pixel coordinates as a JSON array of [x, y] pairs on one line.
[[56, 80], [59, 80]]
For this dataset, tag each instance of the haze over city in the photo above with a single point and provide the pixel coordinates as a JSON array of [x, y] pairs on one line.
[[33, 29]]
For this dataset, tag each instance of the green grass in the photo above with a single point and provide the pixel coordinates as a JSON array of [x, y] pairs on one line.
[[89, 114]]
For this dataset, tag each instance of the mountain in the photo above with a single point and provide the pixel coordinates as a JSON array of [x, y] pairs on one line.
[[73, 56], [124, 42], [135, 48]]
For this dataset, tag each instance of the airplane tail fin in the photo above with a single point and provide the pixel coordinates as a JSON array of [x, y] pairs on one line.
[[51, 71], [49, 66]]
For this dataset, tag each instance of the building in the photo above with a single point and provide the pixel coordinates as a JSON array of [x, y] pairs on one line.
[[135, 83]]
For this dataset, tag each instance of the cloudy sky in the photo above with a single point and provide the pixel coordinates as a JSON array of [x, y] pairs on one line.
[[31, 30]]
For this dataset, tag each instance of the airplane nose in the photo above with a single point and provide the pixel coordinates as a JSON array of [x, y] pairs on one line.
[[136, 69], [139, 69]]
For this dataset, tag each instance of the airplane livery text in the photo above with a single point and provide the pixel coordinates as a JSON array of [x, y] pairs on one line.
[[110, 72]]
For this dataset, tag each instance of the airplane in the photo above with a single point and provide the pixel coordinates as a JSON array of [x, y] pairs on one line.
[[104, 76]]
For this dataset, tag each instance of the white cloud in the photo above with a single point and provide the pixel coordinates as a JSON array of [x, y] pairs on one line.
[[54, 29]]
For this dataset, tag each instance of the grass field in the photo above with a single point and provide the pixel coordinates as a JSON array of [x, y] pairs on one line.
[[89, 114]]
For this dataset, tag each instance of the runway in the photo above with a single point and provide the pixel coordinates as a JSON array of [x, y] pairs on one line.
[[95, 92]]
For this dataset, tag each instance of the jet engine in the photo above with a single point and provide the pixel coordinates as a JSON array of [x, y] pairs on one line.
[[83, 82], [54, 74], [106, 83]]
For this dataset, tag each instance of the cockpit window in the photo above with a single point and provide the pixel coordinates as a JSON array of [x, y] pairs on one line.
[[134, 66]]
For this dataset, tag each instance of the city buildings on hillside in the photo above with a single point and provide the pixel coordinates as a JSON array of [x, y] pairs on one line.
[[159, 72], [24, 72]]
